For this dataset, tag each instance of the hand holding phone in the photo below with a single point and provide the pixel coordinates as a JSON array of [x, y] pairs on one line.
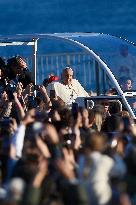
[[74, 108], [52, 94], [31, 101]]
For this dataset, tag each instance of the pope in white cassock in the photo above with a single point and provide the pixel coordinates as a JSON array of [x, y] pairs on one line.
[[68, 89]]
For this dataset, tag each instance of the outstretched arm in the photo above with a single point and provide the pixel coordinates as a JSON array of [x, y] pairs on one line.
[[19, 107], [47, 100]]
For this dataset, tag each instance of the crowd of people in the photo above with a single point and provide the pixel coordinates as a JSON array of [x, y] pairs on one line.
[[55, 154]]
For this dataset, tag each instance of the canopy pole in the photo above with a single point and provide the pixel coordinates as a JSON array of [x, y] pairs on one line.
[[34, 60]]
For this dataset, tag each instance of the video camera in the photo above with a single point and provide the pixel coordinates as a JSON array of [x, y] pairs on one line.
[[10, 89]]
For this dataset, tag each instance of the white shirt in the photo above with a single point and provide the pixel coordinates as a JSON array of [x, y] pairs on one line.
[[95, 176], [17, 140]]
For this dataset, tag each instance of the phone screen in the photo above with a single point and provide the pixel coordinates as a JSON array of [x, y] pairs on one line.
[[36, 87], [74, 108], [52, 94], [30, 98], [31, 101]]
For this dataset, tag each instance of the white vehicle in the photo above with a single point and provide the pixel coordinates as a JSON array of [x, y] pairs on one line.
[[100, 62]]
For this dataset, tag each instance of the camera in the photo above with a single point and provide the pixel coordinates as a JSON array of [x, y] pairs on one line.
[[31, 102], [89, 104], [10, 89], [52, 94], [37, 128], [68, 140], [36, 87]]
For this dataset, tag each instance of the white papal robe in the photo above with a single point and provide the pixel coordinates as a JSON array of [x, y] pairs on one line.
[[68, 93]]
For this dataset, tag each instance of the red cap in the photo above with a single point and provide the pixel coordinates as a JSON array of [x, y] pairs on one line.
[[53, 78]]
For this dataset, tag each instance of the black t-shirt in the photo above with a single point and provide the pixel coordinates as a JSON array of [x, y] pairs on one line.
[[25, 77]]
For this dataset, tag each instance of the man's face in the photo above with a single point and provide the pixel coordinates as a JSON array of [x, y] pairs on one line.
[[127, 85], [67, 76], [22, 64]]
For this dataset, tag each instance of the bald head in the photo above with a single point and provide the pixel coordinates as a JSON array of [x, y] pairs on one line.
[[67, 75]]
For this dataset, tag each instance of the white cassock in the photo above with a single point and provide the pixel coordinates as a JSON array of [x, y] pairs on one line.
[[68, 93]]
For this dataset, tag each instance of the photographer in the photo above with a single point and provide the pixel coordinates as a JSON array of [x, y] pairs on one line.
[[17, 71]]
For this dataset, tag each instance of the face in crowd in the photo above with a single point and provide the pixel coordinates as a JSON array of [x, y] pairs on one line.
[[67, 76], [17, 64], [21, 63], [127, 85]]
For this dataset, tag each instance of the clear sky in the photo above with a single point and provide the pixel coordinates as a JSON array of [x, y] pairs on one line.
[[39, 16]]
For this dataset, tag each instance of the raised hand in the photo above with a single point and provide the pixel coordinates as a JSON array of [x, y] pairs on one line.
[[51, 134], [29, 117]]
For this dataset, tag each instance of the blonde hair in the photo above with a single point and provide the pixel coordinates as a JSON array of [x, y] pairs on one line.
[[95, 117], [98, 120], [96, 141]]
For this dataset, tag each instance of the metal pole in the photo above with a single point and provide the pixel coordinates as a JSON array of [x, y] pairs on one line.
[[97, 79], [34, 57]]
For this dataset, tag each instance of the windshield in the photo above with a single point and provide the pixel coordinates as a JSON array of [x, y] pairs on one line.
[[118, 54]]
